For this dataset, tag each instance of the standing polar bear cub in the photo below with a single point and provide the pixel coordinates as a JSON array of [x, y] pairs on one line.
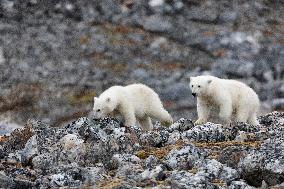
[[133, 102], [228, 95]]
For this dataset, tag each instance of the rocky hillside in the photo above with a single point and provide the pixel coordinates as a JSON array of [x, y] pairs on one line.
[[91, 153], [56, 55]]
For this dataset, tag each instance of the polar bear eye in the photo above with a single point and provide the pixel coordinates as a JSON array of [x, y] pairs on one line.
[[198, 86], [98, 110], [191, 85]]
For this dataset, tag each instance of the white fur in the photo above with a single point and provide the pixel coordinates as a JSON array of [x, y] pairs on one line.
[[133, 102], [228, 95]]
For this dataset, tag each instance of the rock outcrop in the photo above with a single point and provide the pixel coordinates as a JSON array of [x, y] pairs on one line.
[[102, 153]]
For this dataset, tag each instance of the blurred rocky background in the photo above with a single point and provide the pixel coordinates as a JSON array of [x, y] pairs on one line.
[[55, 56]]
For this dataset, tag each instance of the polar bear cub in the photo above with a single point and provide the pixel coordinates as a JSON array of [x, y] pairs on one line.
[[133, 102], [228, 95]]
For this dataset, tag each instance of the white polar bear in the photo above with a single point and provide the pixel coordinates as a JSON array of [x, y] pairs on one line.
[[227, 95], [136, 101]]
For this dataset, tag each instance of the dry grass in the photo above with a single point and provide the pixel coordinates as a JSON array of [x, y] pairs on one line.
[[11, 163], [253, 144], [163, 66], [67, 118], [120, 29], [193, 170], [218, 182], [217, 147], [84, 40], [214, 154], [116, 67], [22, 96], [108, 184], [158, 152], [3, 139], [83, 97]]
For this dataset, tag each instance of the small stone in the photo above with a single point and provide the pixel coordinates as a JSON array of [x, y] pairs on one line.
[[44, 161], [183, 158], [151, 162], [156, 173]]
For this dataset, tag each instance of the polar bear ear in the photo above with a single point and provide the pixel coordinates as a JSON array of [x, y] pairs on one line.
[[108, 99], [95, 98], [209, 81]]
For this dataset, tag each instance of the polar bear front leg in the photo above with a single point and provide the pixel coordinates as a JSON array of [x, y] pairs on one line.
[[129, 117], [203, 112]]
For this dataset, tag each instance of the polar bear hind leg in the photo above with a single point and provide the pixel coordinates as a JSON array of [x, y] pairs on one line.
[[253, 119], [162, 115], [242, 115], [145, 123]]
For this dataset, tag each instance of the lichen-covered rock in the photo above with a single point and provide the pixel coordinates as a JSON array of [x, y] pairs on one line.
[[8, 182], [216, 170], [151, 162], [181, 125], [18, 138], [183, 158], [240, 185], [122, 159], [183, 179], [156, 173], [228, 174], [155, 138], [59, 180], [174, 137], [129, 171], [44, 161], [30, 149], [103, 153], [266, 164], [232, 155], [208, 132], [2, 155], [92, 175]]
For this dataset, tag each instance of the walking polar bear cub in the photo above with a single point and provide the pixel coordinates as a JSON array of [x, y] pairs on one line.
[[228, 95], [133, 102]]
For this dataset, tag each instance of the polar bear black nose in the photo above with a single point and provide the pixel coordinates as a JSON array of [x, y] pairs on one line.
[[194, 94]]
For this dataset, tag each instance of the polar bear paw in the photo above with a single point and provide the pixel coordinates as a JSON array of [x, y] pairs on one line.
[[200, 122]]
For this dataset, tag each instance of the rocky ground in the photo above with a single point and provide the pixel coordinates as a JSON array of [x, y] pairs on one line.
[[90, 153], [55, 56]]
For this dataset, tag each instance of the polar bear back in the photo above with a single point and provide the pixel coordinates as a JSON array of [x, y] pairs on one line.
[[238, 91], [141, 98]]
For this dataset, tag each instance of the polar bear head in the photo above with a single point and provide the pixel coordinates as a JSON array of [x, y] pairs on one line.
[[103, 106], [199, 85]]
